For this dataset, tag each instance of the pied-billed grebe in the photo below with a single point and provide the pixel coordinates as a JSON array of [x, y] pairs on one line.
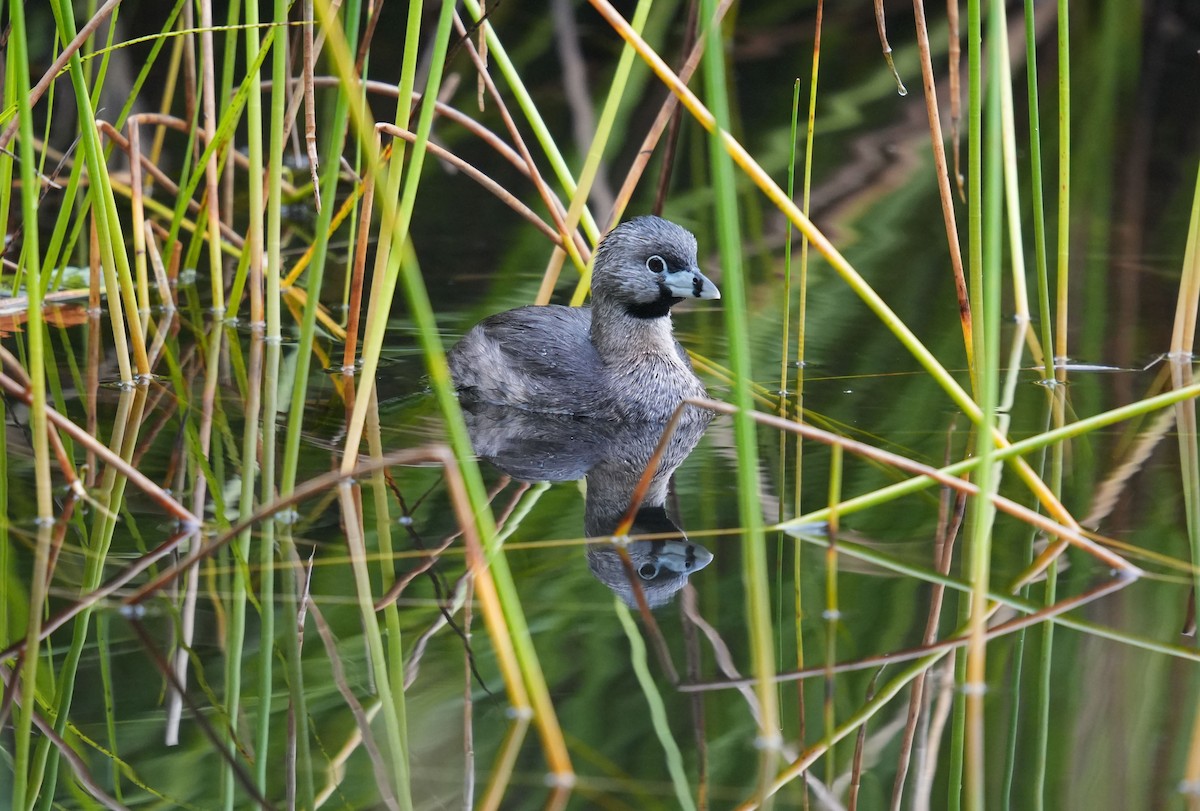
[[614, 360]]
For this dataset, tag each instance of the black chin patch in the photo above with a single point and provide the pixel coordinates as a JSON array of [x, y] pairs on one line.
[[655, 521], [654, 309]]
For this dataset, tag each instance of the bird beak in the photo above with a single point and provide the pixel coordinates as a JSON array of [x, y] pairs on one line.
[[684, 557], [691, 283]]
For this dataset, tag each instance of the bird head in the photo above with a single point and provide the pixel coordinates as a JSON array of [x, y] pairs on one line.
[[647, 265]]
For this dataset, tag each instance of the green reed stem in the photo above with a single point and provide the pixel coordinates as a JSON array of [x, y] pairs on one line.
[[274, 233], [7, 160], [522, 510], [270, 402], [30, 259], [394, 222], [975, 174], [1008, 397], [330, 170], [1042, 703], [1043, 697], [832, 611], [13, 585], [251, 434], [1043, 297], [392, 701], [252, 250], [240, 552], [18, 61], [387, 572], [117, 274], [301, 792], [801, 333], [338, 30], [784, 359], [1012, 194], [102, 70], [658, 710], [756, 580], [1182, 370], [1184, 333], [1037, 195], [985, 190], [960, 759], [1058, 392], [104, 647], [266, 557], [67, 220], [785, 354], [233, 15], [1064, 178], [207, 110], [128, 418], [189, 180]]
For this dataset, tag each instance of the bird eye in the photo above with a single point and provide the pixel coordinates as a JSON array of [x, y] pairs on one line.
[[648, 571], [657, 264]]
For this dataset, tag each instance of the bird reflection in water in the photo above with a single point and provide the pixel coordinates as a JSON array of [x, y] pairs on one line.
[[611, 456]]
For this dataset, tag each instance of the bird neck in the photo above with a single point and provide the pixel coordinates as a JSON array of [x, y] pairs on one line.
[[617, 333]]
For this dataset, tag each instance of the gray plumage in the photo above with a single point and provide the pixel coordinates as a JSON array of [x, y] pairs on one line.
[[614, 360]]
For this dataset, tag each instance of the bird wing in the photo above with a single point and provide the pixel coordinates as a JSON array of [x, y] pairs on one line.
[[538, 358], [541, 340]]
